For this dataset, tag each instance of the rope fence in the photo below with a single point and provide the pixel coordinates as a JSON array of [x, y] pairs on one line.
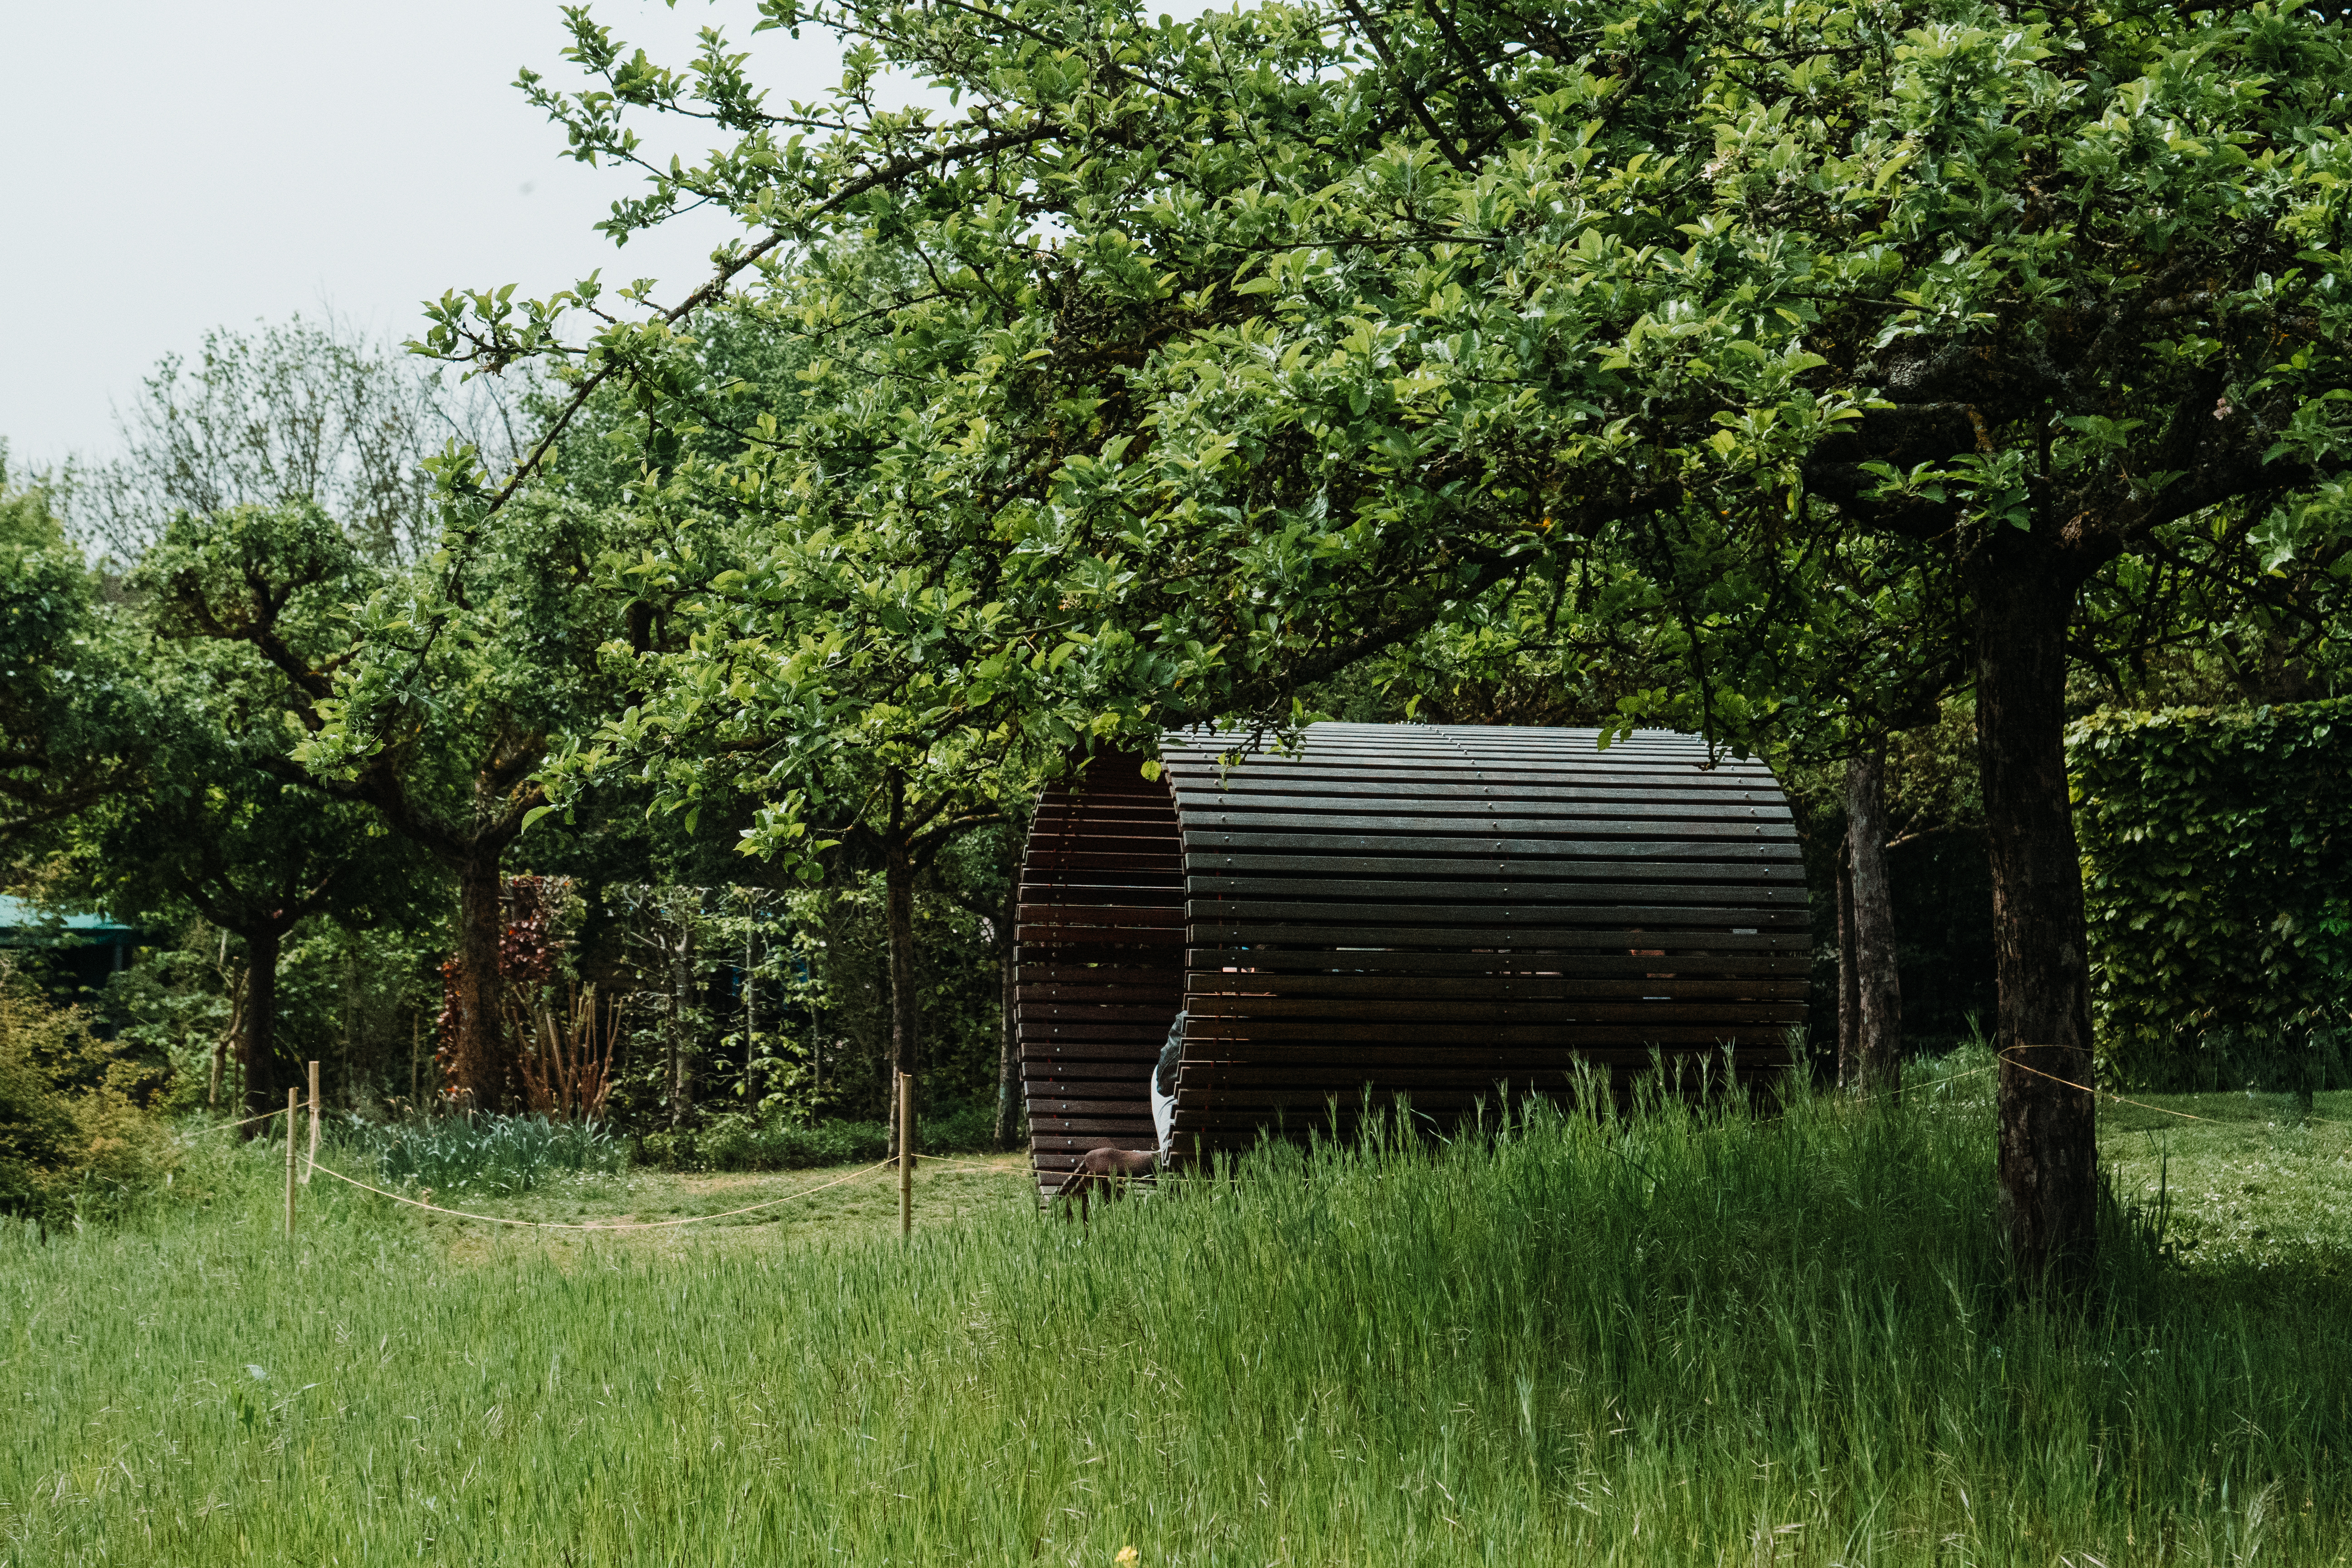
[[904, 1162], [592, 1224], [2136, 1104]]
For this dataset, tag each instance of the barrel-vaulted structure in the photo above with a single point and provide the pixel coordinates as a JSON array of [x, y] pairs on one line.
[[1439, 911]]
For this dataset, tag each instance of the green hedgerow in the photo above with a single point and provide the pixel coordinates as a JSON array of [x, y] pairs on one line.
[[77, 1136]]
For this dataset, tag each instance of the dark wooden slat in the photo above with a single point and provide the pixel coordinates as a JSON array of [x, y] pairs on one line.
[[1105, 1130], [1631, 917], [1381, 812], [1206, 988], [1663, 851], [1534, 962], [1079, 1145], [1563, 1014], [1327, 1044], [1048, 1105], [1134, 996], [1531, 866], [1413, 818], [1046, 1013], [1037, 1051], [1230, 931], [1048, 917], [1199, 785], [1199, 889]]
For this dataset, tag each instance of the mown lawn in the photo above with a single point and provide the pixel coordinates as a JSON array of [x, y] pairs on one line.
[[1670, 1338]]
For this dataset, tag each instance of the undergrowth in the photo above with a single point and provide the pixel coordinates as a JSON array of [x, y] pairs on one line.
[[734, 1141], [455, 1154]]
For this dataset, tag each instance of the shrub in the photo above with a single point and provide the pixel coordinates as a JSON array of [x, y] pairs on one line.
[[76, 1138], [2216, 850], [486, 1154], [739, 1142]]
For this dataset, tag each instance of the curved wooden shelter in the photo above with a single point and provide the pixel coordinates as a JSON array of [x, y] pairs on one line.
[[1431, 910]]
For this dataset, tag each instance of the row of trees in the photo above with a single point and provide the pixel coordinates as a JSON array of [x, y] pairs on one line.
[[1845, 357], [256, 574], [1787, 375]]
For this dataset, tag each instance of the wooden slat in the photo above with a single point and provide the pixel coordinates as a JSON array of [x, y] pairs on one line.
[[1417, 909], [1414, 863], [1536, 962], [1204, 989], [1727, 918]]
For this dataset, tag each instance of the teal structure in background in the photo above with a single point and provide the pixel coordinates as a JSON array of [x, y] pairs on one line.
[[77, 952]]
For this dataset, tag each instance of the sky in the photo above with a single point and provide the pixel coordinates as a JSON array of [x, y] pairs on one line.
[[169, 168]]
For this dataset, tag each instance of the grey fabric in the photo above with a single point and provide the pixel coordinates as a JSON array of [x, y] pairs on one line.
[[1172, 1055], [1164, 1084]]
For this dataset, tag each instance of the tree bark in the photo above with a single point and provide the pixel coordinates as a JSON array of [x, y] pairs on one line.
[[906, 996], [1008, 1037], [2024, 598], [681, 1000], [750, 1008], [1849, 973], [480, 1067], [1876, 989], [229, 1036], [259, 1055]]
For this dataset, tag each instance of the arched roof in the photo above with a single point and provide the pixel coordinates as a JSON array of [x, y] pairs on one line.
[[1435, 910]]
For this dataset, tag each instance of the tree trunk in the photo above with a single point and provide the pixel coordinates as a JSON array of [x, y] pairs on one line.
[[906, 996], [1876, 989], [1008, 1033], [681, 1000], [2048, 1127], [1849, 973], [259, 1055], [480, 1069], [751, 1010], [229, 1036]]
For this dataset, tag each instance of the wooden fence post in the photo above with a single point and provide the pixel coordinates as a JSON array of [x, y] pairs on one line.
[[906, 1153], [293, 1104], [314, 1123]]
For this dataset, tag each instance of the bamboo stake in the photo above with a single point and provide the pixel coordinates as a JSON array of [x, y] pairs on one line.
[[906, 1153], [314, 1123], [293, 1104]]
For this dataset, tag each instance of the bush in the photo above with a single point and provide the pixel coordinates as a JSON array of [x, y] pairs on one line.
[[739, 1142], [76, 1138], [2216, 850], [486, 1154]]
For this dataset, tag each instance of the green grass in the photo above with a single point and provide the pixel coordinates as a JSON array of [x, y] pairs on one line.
[[2254, 1181], [1673, 1339]]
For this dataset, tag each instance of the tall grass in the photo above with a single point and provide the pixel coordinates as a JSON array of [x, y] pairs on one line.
[[456, 1154], [1680, 1336]]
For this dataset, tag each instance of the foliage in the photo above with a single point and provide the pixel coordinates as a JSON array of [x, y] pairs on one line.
[[354, 1000], [818, 958], [1680, 1336], [78, 1136], [735, 1141], [294, 413], [1856, 352], [2216, 850], [456, 1154], [1229, 341], [70, 715]]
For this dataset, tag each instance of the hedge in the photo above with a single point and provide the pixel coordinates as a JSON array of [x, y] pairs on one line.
[[2216, 859]]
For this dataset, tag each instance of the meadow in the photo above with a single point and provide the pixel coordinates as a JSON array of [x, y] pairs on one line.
[[1674, 1336]]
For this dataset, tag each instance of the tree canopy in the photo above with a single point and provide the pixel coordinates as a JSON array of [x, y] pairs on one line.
[[1864, 351]]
